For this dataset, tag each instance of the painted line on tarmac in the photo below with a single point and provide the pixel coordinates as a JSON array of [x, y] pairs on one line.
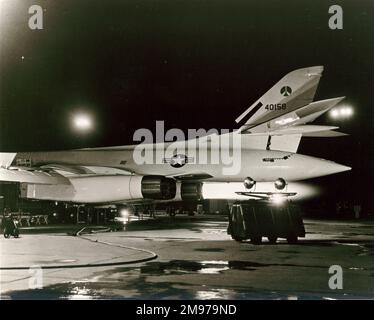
[[152, 256]]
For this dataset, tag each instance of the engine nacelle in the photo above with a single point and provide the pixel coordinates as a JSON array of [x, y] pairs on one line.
[[104, 189], [191, 191], [158, 187]]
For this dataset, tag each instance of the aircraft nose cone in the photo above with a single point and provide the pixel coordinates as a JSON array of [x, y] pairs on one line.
[[333, 167], [311, 167], [325, 167]]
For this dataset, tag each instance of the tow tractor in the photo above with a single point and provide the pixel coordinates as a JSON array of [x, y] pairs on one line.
[[257, 219], [267, 214]]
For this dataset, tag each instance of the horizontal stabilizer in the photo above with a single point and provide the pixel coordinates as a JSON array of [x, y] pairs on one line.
[[325, 134], [295, 118], [318, 106], [303, 129], [314, 110]]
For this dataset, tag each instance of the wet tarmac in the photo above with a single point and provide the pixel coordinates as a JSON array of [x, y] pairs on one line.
[[189, 258]]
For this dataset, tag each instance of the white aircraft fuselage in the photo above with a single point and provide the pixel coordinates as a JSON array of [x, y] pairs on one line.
[[261, 165], [263, 149]]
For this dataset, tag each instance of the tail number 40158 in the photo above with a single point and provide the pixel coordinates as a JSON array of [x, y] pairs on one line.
[[276, 106]]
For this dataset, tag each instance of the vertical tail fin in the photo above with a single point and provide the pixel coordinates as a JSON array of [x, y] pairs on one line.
[[6, 159], [294, 90]]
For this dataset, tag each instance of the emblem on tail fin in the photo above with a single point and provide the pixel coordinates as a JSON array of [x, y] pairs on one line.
[[286, 91]]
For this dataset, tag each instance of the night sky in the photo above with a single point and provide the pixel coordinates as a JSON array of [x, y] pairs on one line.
[[194, 64]]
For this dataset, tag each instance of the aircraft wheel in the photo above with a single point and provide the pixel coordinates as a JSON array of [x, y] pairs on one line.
[[292, 239], [256, 239], [6, 235], [170, 211], [238, 239], [273, 239], [191, 213]]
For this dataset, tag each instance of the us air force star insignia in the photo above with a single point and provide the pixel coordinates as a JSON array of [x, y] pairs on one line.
[[286, 91], [177, 161]]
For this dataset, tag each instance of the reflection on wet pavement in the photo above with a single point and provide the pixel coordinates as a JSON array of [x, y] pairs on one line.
[[199, 261]]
